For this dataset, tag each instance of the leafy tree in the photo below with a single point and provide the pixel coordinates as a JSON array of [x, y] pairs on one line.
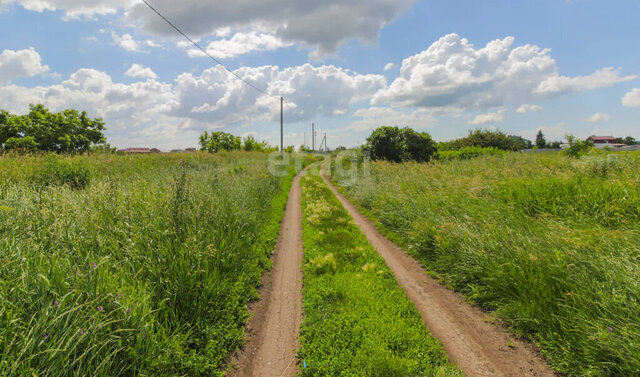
[[486, 139], [541, 142], [577, 147], [290, 149], [68, 131], [629, 140], [222, 141], [399, 145], [555, 145]]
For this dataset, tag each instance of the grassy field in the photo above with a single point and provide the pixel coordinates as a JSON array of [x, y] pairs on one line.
[[549, 243], [131, 265], [357, 321]]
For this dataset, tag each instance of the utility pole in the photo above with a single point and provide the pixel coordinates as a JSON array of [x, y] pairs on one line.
[[281, 126], [313, 137]]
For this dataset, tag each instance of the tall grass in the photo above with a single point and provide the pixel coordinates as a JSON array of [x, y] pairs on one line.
[[549, 243], [144, 270], [357, 321]]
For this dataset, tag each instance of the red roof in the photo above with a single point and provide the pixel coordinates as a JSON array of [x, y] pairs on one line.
[[602, 138]]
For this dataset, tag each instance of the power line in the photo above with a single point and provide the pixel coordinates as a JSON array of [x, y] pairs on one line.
[[205, 51]]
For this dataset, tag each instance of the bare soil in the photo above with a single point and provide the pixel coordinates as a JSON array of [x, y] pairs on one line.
[[272, 332], [472, 341]]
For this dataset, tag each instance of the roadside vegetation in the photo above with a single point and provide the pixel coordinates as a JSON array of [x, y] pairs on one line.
[[548, 242], [357, 320], [116, 265]]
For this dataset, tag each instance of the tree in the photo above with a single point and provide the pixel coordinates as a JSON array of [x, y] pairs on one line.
[[541, 142], [399, 145], [629, 140], [486, 139], [68, 131], [221, 141], [577, 147]]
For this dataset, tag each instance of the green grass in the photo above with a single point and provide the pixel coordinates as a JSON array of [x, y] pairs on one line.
[[550, 243], [131, 265], [357, 321]]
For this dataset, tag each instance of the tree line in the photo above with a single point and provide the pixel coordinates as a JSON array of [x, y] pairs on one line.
[[67, 131]]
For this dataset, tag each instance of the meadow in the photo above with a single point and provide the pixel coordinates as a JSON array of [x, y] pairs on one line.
[[357, 320], [114, 265], [547, 244]]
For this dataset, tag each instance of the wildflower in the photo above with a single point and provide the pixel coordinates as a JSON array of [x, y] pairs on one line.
[[610, 329], [100, 325], [46, 336], [80, 331], [100, 308], [56, 303], [128, 310], [95, 265]]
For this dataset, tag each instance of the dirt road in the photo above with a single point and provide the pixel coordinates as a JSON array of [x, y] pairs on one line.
[[479, 348], [273, 329]]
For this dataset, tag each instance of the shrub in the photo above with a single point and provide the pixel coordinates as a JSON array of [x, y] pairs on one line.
[[399, 145], [469, 152], [486, 139], [58, 172], [577, 147]]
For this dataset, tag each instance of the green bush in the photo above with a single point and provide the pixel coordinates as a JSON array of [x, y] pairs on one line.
[[486, 139], [400, 145], [56, 171], [469, 152]]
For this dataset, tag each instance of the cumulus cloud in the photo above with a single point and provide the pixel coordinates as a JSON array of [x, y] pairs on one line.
[[632, 99], [452, 72], [127, 42], [74, 8], [215, 97], [598, 117], [241, 43], [496, 117], [528, 108], [374, 117], [140, 71], [21, 63], [150, 111], [389, 66]]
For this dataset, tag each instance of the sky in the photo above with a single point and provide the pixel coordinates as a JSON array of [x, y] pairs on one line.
[[442, 67]]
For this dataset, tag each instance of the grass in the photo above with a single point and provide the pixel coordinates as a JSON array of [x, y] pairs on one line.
[[547, 242], [357, 321], [131, 265]]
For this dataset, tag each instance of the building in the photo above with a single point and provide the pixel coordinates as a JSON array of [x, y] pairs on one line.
[[602, 139], [136, 150]]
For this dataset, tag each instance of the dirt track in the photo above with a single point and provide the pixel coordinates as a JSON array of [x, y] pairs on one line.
[[479, 348], [273, 329]]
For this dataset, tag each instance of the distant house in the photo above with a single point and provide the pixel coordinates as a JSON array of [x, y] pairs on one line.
[[136, 150], [602, 139], [601, 142]]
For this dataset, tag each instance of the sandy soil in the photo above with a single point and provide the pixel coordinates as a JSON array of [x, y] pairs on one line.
[[273, 330], [477, 346]]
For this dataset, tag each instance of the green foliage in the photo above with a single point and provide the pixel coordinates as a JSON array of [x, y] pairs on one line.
[[547, 242], [486, 139], [541, 142], [221, 141], [469, 152], [68, 131], [56, 171], [577, 147], [357, 320], [289, 149], [399, 145], [145, 272]]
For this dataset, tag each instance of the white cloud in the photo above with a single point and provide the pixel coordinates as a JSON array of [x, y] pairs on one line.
[[375, 117], [240, 44], [528, 108], [155, 113], [496, 117], [632, 99], [22, 63], [216, 97], [598, 117], [389, 66], [452, 72], [127, 42], [138, 70], [74, 8]]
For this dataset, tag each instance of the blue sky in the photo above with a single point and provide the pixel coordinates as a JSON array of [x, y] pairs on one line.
[[555, 65]]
